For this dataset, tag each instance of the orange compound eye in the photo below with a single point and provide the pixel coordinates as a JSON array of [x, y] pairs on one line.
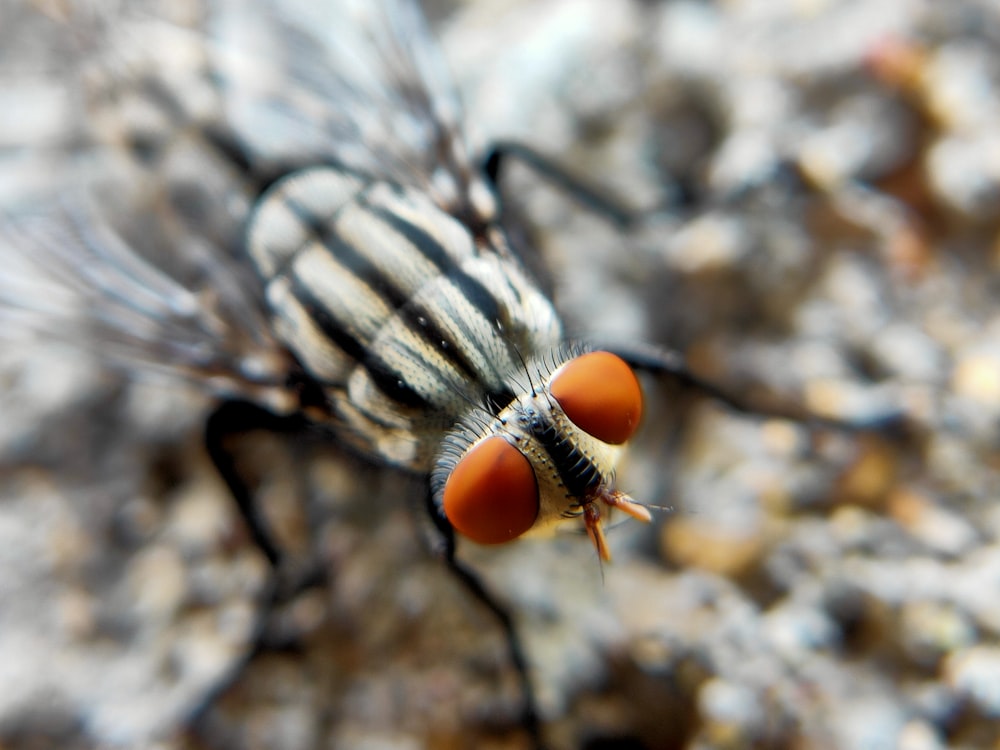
[[492, 495], [601, 395]]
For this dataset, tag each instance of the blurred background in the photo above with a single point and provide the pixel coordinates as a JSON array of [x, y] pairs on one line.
[[819, 182]]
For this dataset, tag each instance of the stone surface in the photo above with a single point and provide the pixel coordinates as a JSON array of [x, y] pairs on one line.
[[805, 587]]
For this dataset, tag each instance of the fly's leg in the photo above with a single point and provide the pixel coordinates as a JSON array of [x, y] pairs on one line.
[[586, 195], [445, 546], [229, 419], [664, 362], [683, 196]]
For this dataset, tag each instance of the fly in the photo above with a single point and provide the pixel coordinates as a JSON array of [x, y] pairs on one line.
[[437, 353]]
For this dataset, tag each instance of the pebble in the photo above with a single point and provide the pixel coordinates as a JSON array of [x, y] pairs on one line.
[[733, 712], [919, 735], [976, 376], [692, 542], [157, 582], [794, 631], [867, 481], [930, 631], [941, 529], [964, 172], [975, 673], [811, 590]]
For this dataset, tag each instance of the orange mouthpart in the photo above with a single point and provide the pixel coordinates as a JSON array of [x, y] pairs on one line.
[[592, 517]]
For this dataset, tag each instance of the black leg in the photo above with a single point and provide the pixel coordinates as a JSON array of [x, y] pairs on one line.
[[229, 419], [446, 548], [668, 363], [683, 196], [584, 194], [232, 418]]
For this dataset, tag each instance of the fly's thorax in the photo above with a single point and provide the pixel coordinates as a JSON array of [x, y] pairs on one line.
[[396, 310], [547, 456]]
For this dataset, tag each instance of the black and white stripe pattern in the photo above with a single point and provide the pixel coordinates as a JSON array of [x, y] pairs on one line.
[[395, 307]]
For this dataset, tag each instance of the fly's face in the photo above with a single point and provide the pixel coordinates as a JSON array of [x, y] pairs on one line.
[[547, 456]]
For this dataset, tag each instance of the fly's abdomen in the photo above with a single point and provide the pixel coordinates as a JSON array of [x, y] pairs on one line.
[[393, 307]]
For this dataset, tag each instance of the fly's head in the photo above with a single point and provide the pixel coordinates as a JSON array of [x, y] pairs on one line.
[[548, 456]]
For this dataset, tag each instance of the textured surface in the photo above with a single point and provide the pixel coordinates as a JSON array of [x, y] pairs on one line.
[[807, 589]]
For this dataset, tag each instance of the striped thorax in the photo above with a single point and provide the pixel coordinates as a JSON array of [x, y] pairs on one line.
[[437, 352]]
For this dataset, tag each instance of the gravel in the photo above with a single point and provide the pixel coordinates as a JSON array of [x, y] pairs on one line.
[[800, 587]]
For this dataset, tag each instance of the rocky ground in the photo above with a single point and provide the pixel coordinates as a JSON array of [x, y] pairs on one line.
[[820, 189]]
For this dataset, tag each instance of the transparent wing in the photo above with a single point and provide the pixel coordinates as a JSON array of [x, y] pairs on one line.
[[142, 136], [70, 278], [129, 253], [355, 82]]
